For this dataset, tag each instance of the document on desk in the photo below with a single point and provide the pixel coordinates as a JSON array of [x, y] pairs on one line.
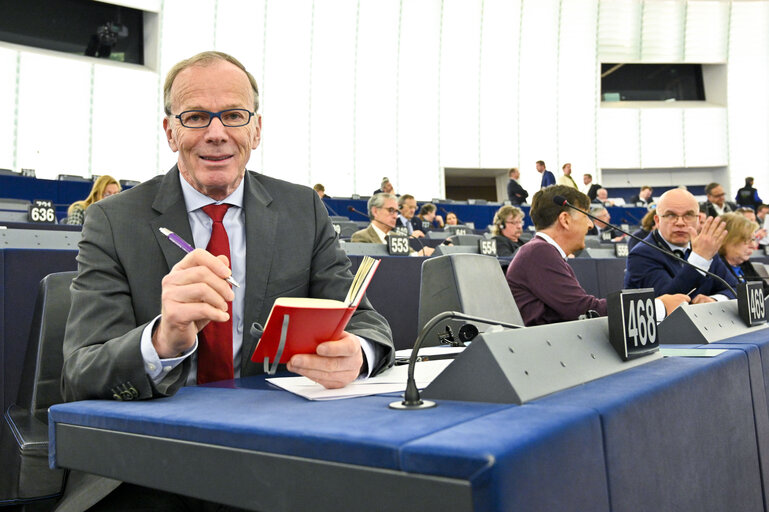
[[691, 352], [391, 380]]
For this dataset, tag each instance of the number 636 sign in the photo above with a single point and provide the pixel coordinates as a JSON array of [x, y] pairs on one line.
[[633, 323]]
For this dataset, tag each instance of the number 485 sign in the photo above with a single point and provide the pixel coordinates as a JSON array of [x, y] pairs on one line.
[[633, 322]]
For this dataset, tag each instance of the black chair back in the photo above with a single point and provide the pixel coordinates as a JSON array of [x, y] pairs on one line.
[[25, 476]]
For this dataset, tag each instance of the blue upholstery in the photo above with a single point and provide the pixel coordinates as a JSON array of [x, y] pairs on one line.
[[538, 458], [358, 431], [679, 434]]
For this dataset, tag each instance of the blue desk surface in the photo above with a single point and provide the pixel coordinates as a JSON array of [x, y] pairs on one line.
[[678, 431]]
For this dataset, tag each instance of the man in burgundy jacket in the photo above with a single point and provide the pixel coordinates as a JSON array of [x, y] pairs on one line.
[[543, 284]]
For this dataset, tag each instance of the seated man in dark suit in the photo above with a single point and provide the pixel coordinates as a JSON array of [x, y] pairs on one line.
[[407, 218], [543, 284], [600, 227], [677, 219], [507, 229], [644, 196], [386, 187], [716, 203]]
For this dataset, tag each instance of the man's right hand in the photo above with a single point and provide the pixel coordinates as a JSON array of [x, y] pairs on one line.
[[671, 302], [712, 235], [194, 293], [702, 299]]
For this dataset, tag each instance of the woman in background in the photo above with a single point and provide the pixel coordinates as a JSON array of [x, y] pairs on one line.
[[739, 244], [451, 219], [104, 186], [647, 226]]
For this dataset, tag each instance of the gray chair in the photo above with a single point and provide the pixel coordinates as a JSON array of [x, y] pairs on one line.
[[25, 477], [10, 203], [73, 177], [443, 250], [467, 283], [466, 239], [346, 228]]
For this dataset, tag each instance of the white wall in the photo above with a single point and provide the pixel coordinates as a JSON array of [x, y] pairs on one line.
[[353, 90]]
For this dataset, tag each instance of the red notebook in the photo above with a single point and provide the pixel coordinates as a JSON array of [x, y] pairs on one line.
[[304, 323]]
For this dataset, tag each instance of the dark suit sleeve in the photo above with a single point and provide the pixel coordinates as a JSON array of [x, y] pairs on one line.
[[331, 278], [101, 351], [646, 268]]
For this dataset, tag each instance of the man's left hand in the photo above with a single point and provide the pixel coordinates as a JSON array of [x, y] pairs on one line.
[[334, 364]]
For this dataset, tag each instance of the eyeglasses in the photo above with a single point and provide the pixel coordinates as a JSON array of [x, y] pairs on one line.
[[390, 210], [232, 118], [686, 217]]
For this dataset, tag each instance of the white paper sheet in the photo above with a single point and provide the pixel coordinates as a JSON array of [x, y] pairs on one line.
[[392, 380]]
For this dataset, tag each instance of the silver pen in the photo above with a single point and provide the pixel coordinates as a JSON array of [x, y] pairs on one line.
[[184, 246]]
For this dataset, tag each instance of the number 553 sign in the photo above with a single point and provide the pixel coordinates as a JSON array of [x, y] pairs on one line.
[[633, 323]]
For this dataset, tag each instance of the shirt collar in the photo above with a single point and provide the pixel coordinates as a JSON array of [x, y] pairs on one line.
[[196, 200], [673, 247], [379, 232], [552, 242]]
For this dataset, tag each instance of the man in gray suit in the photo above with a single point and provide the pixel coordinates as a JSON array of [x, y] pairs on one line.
[[139, 301]]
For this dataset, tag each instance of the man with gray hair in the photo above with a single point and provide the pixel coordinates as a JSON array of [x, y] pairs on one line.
[[148, 318], [600, 225], [383, 212]]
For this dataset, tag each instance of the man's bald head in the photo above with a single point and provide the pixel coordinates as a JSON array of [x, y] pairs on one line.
[[677, 196], [677, 214]]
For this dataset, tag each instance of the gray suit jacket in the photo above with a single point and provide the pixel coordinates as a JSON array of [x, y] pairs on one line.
[[123, 258]]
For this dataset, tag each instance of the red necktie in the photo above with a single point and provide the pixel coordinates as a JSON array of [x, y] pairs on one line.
[[215, 340]]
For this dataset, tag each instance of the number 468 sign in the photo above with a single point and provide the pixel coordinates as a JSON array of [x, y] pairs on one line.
[[633, 323]]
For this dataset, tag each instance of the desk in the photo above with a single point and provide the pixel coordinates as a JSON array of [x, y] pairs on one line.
[[690, 419]]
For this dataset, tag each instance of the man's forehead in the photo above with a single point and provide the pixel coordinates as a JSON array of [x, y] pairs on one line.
[[220, 79]]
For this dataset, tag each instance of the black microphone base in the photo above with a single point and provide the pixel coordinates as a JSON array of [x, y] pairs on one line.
[[421, 404]]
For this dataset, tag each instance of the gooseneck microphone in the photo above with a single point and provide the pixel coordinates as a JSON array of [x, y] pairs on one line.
[[329, 208], [411, 398], [351, 209], [562, 201]]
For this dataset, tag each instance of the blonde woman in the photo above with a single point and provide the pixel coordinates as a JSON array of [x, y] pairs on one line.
[[104, 186], [737, 247]]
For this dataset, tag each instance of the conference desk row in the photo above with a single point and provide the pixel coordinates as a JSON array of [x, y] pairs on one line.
[[679, 433], [394, 292], [481, 215]]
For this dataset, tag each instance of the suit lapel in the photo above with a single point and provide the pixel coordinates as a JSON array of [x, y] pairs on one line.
[[261, 230], [169, 203], [373, 236]]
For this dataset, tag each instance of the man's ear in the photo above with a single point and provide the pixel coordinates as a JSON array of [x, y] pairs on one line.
[[257, 135], [169, 135], [565, 219]]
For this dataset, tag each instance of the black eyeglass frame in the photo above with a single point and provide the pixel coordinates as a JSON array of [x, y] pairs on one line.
[[213, 115]]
